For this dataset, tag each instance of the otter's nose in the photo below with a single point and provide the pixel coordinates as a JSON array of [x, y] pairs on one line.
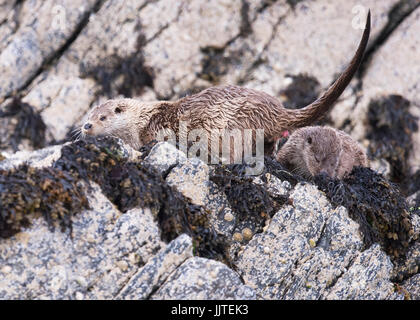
[[87, 126]]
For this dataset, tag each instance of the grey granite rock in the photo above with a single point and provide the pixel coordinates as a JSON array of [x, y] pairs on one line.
[[368, 278], [313, 31], [412, 286], [381, 166], [271, 256], [273, 185], [164, 156], [103, 251], [175, 52], [318, 270], [200, 278], [38, 159], [43, 28], [191, 178], [152, 275], [64, 93], [6, 7], [132, 242], [306, 250]]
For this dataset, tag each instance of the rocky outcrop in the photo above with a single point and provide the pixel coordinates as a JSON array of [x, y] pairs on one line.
[[306, 250], [118, 223]]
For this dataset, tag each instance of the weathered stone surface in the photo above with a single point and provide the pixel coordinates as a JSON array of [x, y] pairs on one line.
[[367, 278], [175, 53], [64, 93], [38, 159], [270, 256], [315, 30], [43, 28], [306, 249], [93, 262], [381, 166], [199, 278], [192, 179], [274, 185], [134, 239], [155, 272], [164, 156], [412, 285]]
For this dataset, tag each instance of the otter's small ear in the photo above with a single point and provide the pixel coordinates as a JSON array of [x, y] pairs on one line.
[[117, 110], [309, 140]]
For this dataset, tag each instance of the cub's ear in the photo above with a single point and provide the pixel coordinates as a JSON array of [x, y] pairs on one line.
[[120, 107]]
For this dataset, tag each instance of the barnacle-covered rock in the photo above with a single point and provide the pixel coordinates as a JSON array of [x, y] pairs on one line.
[[200, 279]]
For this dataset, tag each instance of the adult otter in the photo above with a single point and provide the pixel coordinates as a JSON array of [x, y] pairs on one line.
[[311, 151], [225, 107]]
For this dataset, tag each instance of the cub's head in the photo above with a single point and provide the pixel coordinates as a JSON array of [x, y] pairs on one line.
[[321, 150]]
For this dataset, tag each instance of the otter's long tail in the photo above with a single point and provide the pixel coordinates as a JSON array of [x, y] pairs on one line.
[[309, 114]]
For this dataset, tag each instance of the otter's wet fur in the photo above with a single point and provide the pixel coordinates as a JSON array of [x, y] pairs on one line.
[[216, 108], [315, 150]]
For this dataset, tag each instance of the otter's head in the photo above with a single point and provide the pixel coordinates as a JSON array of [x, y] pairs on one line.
[[122, 118], [321, 150]]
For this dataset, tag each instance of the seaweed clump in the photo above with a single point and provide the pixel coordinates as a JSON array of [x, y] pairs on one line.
[[293, 3], [119, 75], [251, 202], [59, 191], [26, 192], [376, 204], [409, 266], [216, 63], [145, 149], [303, 90], [21, 122], [128, 185], [390, 128]]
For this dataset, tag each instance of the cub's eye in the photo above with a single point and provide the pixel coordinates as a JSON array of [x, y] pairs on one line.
[[309, 140], [317, 159], [117, 110], [102, 118]]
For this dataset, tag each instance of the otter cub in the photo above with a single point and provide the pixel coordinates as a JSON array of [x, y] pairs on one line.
[[314, 150], [216, 108]]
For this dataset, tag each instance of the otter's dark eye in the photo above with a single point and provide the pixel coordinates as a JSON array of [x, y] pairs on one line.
[[309, 140], [102, 118], [117, 110]]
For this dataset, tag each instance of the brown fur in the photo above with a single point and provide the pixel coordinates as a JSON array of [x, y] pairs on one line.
[[224, 107], [311, 151]]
